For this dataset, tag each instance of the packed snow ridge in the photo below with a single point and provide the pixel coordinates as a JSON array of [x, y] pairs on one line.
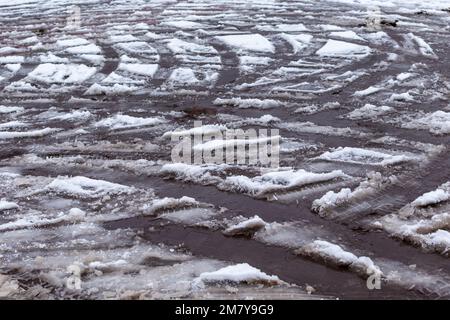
[[363, 156], [86, 187], [334, 254], [242, 272]]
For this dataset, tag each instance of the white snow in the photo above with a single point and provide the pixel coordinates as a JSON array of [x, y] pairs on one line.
[[87, 49], [5, 109], [439, 238], [183, 76], [374, 182], [220, 143], [330, 27], [26, 134], [278, 180], [72, 42], [283, 28], [179, 46], [395, 4], [51, 58], [138, 47], [405, 97], [97, 89], [335, 48], [248, 42], [351, 35], [75, 115], [167, 204], [424, 47], [190, 216], [210, 129], [333, 253], [139, 68], [62, 73], [249, 225], [368, 91], [194, 173], [13, 67], [86, 187], [183, 24], [11, 59], [439, 195], [123, 38], [12, 124], [5, 205], [242, 272], [363, 156], [121, 121], [331, 199], [298, 41], [93, 58], [437, 122], [416, 227], [369, 111], [310, 127], [37, 221], [249, 103]]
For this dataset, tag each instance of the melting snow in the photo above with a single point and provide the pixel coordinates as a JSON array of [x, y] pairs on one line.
[[363, 156], [86, 187], [242, 272], [335, 48], [120, 121], [250, 42]]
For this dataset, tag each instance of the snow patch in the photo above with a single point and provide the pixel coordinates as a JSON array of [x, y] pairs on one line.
[[248, 42]]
